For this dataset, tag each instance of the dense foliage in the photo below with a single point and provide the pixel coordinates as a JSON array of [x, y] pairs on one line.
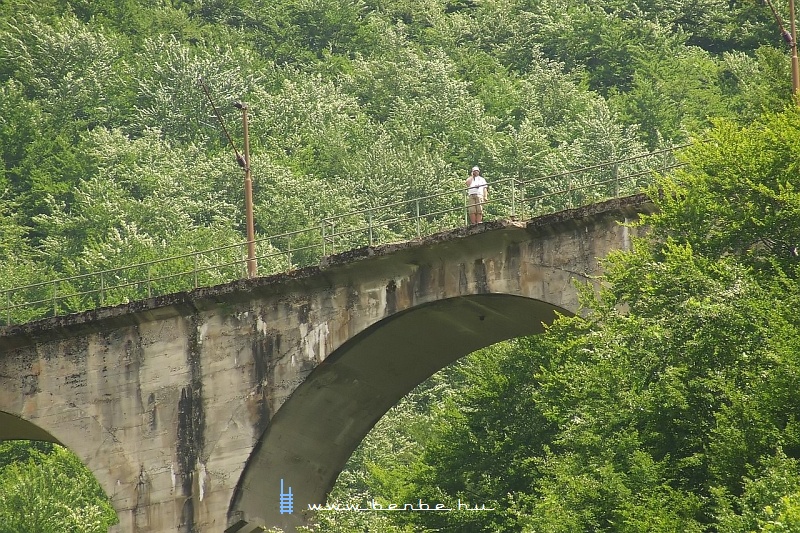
[[669, 405], [44, 488]]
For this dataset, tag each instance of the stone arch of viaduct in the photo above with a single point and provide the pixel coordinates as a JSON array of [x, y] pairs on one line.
[[191, 408]]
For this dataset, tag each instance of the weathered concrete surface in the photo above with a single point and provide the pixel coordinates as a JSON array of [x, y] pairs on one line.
[[190, 408]]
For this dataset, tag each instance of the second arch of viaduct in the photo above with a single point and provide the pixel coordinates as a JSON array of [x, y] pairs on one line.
[[190, 409]]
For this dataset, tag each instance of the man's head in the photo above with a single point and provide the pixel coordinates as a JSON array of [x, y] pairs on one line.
[[475, 170]]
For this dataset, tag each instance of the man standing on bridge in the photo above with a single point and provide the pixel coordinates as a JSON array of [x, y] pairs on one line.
[[478, 192]]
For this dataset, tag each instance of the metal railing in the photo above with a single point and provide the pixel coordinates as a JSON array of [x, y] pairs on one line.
[[400, 220]]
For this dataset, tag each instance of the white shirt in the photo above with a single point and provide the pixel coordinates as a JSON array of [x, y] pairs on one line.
[[478, 186]]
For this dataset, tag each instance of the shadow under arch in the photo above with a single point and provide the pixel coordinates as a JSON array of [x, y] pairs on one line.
[[313, 434], [15, 428]]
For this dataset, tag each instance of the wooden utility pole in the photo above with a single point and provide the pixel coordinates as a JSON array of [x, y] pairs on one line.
[[244, 162], [252, 266]]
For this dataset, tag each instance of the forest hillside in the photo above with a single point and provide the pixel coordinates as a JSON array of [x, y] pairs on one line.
[[677, 414], [112, 154]]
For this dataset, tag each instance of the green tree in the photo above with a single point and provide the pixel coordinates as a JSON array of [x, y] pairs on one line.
[[770, 501], [738, 196], [49, 492]]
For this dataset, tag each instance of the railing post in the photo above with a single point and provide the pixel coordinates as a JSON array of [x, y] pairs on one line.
[[524, 201], [616, 180], [102, 289], [288, 253], [369, 225], [149, 283], [55, 304], [8, 308], [194, 270], [419, 231], [322, 230], [513, 198], [569, 191]]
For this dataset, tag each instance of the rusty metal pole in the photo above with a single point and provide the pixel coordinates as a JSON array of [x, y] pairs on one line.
[[244, 162], [795, 69], [252, 267], [790, 36]]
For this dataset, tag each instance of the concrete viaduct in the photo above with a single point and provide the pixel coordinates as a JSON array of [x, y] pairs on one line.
[[191, 408]]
